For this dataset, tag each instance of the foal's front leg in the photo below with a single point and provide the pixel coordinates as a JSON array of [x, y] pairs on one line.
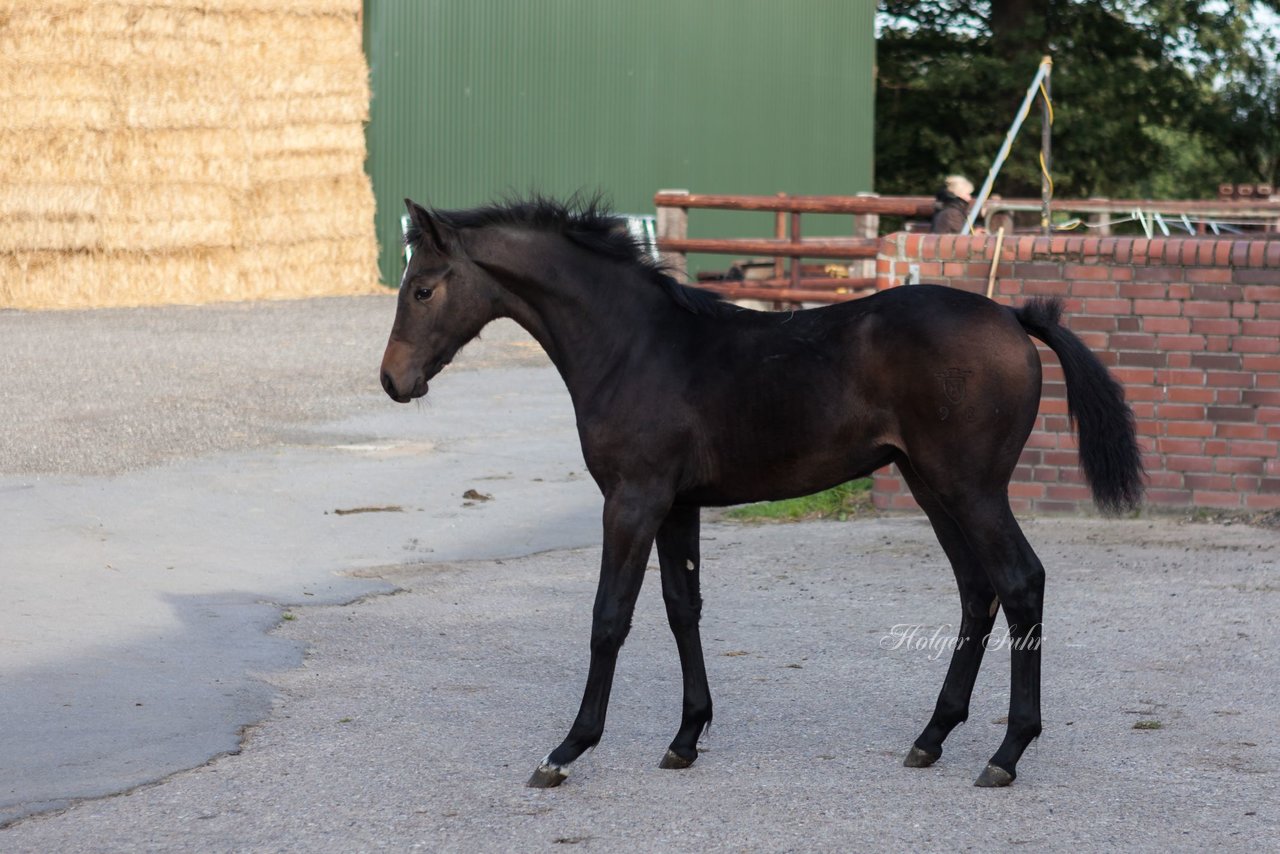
[[680, 562], [631, 519]]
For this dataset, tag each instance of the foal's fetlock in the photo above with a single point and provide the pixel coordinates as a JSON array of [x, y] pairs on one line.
[[683, 751], [1002, 769], [927, 749], [554, 769]]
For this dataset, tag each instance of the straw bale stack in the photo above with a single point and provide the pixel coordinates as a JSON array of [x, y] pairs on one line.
[[182, 151]]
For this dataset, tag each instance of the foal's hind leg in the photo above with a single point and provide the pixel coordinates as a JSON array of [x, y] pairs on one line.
[[680, 562], [978, 609], [1018, 578]]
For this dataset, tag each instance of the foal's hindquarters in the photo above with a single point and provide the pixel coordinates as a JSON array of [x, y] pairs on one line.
[[957, 458]]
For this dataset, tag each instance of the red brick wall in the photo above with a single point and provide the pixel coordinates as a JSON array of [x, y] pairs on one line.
[[1191, 327]]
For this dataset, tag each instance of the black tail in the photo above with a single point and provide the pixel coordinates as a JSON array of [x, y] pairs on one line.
[[1109, 452]]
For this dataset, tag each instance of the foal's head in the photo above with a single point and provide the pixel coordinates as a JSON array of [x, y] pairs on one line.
[[445, 300]]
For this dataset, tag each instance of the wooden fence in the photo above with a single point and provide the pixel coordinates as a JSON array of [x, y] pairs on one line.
[[788, 281], [791, 281]]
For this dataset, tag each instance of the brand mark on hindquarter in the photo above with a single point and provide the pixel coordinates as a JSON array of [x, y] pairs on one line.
[[953, 383]]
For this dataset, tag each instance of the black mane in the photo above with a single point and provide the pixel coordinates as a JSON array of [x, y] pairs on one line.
[[587, 221]]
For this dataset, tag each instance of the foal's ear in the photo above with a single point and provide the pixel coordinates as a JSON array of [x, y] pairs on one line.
[[439, 235]]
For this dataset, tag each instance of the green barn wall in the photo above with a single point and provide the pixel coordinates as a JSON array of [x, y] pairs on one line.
[[476, 98]]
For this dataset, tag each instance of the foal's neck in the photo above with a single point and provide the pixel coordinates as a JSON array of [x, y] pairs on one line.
[[589, 313]]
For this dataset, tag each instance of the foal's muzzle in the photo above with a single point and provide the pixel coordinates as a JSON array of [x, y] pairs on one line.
[[400, 385], [418, 389]]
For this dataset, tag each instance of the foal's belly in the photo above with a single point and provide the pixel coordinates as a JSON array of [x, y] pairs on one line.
[[746, 466]]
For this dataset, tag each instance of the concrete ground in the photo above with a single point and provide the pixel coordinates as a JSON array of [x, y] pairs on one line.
[[172, 479], [173, 563]]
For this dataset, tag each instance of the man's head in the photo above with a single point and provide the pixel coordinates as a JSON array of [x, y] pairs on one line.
[[960, 185]]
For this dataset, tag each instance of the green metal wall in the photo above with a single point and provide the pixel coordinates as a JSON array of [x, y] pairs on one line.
[[474, 98]]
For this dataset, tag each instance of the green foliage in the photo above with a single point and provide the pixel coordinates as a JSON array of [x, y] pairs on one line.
[[840, 502], [1152, 98]]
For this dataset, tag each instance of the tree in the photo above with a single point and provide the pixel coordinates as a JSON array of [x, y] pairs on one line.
[[1162, 98]]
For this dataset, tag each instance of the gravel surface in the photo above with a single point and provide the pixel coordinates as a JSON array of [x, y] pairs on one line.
[[417, 717], [112, 390]]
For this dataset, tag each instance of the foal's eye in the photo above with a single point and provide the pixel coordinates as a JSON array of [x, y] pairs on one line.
[[423, 294]]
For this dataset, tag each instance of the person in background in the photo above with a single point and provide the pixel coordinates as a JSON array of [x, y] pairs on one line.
[[951, 207]]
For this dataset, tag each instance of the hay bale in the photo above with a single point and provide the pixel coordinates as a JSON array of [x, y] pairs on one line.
[[119, 35], [162, 151], [345, 138], [196, 215], [47, 232], [48, 155], [88, 279], [48, 217], [180, 155], [121, 216], [183, 155], [284, 211]]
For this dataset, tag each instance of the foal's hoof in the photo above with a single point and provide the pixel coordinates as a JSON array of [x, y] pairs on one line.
[[917, 758], [675, 760], [547, 777], [993, 777]]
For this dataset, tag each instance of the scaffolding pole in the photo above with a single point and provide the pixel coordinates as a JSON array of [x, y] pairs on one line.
[[1042, 75]]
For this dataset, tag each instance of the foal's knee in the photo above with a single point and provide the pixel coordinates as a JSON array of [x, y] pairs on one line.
[[1023, 597], [608, 634], [683, 610]]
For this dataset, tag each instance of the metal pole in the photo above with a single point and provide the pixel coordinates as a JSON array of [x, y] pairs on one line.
[[1045, 64], [1046, 134], [674, 222]]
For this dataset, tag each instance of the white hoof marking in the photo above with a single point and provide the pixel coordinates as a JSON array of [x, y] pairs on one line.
[[546, 765]]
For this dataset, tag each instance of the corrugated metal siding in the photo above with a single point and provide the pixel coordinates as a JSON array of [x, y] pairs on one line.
[[475, 98]]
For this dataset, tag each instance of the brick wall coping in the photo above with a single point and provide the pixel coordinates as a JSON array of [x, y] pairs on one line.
[[1182, 251]]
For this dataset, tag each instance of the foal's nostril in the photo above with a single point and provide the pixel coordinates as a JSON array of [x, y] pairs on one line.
[[388, 385]]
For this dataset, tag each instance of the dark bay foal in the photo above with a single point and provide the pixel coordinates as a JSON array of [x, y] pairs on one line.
[[684, 401]]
